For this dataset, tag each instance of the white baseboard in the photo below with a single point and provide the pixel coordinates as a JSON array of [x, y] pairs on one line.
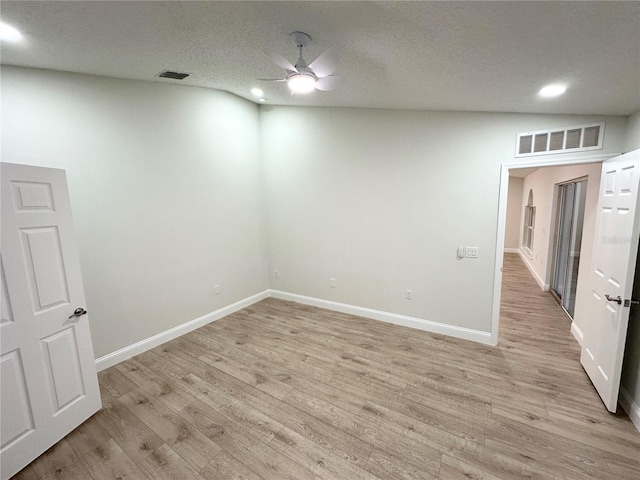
[[125, 353], [413, 322], [527, 262], [142, 346], [577, 333], [630, 406], [511, 250]]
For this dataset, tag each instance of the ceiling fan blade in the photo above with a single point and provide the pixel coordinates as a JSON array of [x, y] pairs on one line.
[[328, 83], [325, 64], [280, 61]]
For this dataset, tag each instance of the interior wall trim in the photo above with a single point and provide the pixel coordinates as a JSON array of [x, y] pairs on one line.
[[630, 406], [538, 278], [577, 333], [142, 346], [388, 317]]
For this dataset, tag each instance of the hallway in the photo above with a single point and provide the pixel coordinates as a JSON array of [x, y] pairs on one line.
[[554, 394]]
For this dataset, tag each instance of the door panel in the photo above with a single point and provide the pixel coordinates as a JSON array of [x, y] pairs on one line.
[[17, 418], [45, 267], [6, 316], [47, 357], [32, 196], [614, 259], [64, 373]]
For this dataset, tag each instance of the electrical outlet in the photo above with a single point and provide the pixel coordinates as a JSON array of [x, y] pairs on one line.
[[276, 274], [216, 289], [332, 282], [409, 295]]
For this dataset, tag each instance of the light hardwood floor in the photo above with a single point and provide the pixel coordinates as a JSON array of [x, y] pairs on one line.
[[285, 391]]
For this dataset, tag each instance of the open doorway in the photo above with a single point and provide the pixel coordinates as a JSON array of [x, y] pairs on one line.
[[559, 265], [555, 217], [538, 255]]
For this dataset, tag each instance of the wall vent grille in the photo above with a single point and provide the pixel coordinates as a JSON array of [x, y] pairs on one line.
[[172, 74], [560, 140]]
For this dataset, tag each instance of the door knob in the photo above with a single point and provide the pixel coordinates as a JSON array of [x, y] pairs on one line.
[[78, 312], [618, 299]]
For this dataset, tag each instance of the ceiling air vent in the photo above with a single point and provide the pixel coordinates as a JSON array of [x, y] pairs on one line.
[[560, 140], [172, 74]]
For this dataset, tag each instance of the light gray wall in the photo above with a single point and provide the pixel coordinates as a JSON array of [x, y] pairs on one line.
[[380, 200], [166, 184], [166, 191], [631, 365], [632, 137], [513, 229]]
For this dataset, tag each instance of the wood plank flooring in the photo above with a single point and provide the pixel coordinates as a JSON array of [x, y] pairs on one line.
[[285, 391]]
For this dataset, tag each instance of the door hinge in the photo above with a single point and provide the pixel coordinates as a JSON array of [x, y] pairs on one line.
[[628, 302]]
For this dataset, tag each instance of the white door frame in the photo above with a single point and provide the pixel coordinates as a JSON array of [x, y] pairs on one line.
[[502, 218]]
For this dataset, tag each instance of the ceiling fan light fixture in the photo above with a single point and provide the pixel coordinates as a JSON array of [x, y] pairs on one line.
[[301, 83]]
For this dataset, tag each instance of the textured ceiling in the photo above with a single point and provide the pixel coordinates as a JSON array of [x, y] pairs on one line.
[[470, 56]]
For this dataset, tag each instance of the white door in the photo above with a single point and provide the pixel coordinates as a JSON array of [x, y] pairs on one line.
[[614, 259], [48, 376]]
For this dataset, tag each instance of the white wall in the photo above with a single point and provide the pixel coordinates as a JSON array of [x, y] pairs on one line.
[[166, 184], [513, 228], [166, 190], [380, 200]]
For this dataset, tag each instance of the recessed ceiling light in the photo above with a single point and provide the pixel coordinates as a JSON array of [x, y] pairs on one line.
[[9, 33], [257, 92], [552, 90], [262, 100]]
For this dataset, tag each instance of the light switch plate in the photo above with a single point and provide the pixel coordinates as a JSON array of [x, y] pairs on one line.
[[471, 252]]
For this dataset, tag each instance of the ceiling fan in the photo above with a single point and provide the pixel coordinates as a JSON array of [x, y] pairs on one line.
[[303, 77]]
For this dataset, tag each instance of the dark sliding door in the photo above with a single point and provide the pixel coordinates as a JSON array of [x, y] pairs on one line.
[[570, 214]]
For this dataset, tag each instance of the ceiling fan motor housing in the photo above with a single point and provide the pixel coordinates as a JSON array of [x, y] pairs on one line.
[[300, 39]]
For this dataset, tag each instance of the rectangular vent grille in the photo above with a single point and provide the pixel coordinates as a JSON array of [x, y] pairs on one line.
[[570, 139], [172, 74]]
